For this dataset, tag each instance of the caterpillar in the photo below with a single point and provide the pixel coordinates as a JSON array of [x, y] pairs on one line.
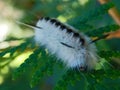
[[73, 48]]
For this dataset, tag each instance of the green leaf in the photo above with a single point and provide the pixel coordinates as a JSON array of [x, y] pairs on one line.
[[100, 31]]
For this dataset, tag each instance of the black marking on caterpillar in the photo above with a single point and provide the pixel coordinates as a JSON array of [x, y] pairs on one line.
[[66, 45]]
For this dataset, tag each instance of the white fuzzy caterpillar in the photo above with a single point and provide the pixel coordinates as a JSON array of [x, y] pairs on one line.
[[70, 46]]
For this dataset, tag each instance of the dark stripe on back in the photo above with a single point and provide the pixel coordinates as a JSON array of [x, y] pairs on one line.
[[47, 18], [62, 26], [53, 21]]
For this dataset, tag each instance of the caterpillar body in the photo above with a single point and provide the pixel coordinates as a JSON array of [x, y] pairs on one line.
[[66, 43], [70, 46]]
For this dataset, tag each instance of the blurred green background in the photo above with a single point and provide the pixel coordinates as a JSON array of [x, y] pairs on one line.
[[29, 11]]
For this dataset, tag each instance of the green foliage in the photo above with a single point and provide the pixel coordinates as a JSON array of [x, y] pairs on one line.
[[100, 31], [82, 22], [109, 54], [30, 61], [42, 64], [69, 78], [92, 81], [45, 69]]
